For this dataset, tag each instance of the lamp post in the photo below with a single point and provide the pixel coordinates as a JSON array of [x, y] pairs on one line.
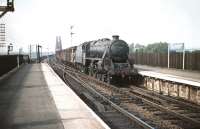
[[47, 54], [38, 48], [10, 48]]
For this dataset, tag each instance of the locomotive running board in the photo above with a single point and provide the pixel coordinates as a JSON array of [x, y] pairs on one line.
[[93, 58]]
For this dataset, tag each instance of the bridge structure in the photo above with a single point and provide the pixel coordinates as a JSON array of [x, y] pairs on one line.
[[9, 7]]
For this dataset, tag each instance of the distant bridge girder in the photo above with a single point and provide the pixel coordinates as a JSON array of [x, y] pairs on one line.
[[8, 8]]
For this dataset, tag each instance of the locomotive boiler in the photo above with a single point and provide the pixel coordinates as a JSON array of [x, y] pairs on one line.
[[105, 59]]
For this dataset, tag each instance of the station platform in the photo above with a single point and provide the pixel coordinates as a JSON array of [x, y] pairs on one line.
[[182, 84], [34, 97], [175, 73]]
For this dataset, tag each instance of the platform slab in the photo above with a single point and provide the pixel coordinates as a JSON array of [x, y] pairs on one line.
[[27, 102], [179, 73]]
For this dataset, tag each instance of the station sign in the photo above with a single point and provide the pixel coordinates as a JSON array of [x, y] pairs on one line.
[[176, 47]]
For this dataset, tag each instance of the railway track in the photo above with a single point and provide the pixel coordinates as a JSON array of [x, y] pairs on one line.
[[187, 109], [169, 110], [112, 114], [155, 110]]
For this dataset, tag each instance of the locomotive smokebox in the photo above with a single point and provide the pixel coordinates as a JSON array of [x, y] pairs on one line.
[[115, 37]]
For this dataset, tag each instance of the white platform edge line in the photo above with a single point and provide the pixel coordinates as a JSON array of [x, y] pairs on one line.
[[173, 76], [90, 110], [169, 78]]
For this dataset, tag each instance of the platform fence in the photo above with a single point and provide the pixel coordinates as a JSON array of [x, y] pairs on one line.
[[8, 62], [192, 59]]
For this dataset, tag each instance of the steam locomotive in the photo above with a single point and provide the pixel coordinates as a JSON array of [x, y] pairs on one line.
[[105, 59]]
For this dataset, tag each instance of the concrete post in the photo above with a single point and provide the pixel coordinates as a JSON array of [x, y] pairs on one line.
[[183, 56], [168, 60]]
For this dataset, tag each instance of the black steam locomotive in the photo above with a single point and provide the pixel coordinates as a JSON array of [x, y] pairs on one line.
[[104, 59]]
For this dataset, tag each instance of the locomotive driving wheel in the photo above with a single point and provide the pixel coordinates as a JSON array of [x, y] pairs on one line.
[[97, 76], [108, 79]]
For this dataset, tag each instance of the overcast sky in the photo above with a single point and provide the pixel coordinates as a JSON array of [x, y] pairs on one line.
[[136, 21]]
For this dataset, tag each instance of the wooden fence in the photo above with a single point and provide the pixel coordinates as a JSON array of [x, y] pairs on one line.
[[8, 62], [192, 59]]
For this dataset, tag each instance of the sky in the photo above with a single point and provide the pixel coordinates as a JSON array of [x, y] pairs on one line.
[[135, 21]]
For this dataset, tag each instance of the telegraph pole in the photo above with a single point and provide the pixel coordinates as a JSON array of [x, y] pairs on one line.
[[71, 33], [30, 53], [36, 53]]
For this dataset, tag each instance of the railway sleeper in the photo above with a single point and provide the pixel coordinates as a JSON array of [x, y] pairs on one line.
[[119, 123], [137, 101], [152, 109], [159, 113], [141, 104], [112, 114], [182, 111], [168, 117], [174, 107], [116, 117], [171, 99], [92, 102], [144, 95], [194, 115], [146, 107], [126, 100], [134, 113], [125, 126], [124, 107]]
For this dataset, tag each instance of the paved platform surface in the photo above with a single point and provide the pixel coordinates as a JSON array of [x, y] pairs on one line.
[[181, 74], [34, 98]]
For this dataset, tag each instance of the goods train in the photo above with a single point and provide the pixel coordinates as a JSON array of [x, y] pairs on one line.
[[105, 59]]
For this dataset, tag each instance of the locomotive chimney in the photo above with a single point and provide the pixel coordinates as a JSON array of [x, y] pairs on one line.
[[115, 37]]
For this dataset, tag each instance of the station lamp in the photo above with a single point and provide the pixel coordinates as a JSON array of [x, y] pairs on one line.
[[10, 5], [10, 48]]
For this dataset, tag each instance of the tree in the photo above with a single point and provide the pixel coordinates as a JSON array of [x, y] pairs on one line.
[[157, 47], [131, 48], [139, 47], [160, 47]]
